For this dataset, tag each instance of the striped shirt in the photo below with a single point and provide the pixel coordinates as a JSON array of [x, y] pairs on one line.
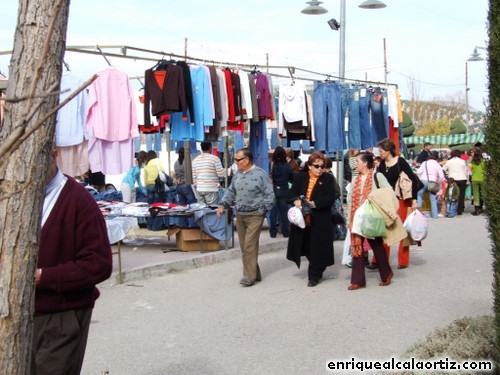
[[207, 169]]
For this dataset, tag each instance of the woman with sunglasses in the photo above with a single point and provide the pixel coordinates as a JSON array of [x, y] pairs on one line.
[[315, 241]]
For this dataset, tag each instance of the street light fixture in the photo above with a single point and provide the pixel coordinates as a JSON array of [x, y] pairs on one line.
[[314, 8], [372, 4]]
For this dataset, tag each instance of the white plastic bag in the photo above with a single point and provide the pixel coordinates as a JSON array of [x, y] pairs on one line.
[[346, 253], [416, 225], [295, 217], [357, 218]]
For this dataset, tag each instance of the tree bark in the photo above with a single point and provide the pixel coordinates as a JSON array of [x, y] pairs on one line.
[[26, 139]]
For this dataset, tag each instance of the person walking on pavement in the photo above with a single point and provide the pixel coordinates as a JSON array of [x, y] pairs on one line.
[[252, 194], [281, 175], [430, 170], [391, 166], [207, 170], [456, 168], [478, 169], [366, 180], [315, 241], [74, 256]]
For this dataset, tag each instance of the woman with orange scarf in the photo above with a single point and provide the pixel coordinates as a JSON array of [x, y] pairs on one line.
[[363, 183], [315, 241]]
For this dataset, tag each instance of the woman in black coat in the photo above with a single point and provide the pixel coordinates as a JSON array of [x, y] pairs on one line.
[[315, 241]]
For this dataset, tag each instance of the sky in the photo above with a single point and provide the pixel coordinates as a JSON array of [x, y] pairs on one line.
[[427, 42]]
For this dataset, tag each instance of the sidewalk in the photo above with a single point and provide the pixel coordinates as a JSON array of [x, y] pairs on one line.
[[146, 254], [198, 319]]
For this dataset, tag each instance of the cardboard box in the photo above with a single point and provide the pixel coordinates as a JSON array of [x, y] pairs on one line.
[[188, 239]]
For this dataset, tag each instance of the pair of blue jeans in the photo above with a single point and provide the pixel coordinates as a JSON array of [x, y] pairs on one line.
[[279, 210], [327, 112], [378, 110]]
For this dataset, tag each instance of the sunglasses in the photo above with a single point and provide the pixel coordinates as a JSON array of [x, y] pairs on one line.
[[317, 166], [240, 159]]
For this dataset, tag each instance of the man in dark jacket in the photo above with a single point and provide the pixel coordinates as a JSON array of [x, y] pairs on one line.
[[424, 155], [74, 256]]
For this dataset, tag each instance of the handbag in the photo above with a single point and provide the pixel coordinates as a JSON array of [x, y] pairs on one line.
[[162, 179], [306, 207], [432, 186], [373, 223], [337, 212]]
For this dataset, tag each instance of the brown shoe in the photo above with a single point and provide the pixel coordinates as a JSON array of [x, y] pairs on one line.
[[387, 281], [355, 287]]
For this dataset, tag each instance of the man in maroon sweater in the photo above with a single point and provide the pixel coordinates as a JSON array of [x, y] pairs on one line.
[[74, 256]]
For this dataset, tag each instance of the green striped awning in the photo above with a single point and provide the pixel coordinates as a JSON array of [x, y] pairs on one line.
[[451, 139]]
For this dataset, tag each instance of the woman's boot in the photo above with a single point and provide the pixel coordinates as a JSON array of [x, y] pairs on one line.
[[477, 210]]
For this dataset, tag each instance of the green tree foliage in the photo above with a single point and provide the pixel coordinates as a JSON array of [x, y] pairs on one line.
[[435, 127], [458, 127], [492, 136]]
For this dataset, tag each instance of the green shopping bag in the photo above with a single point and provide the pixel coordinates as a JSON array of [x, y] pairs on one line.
[[373, 224]]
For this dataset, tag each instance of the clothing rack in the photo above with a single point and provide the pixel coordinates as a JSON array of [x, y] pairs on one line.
[[98, 50]]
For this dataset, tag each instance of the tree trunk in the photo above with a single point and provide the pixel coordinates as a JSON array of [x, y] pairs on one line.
[[26, 139], [492, 134]]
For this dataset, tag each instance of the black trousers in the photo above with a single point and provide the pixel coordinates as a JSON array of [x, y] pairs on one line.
[[59, 342], [358, 263]]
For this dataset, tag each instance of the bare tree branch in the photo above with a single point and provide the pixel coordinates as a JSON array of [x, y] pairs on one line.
[[22, 98], [20, 134]]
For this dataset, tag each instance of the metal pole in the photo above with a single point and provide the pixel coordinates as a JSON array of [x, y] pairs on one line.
[[385, 63], [467, 116], [342, 41]]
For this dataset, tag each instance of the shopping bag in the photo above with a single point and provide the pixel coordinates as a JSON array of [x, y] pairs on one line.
[[373, 224], [296, 218], [416, 225], [357, 219]]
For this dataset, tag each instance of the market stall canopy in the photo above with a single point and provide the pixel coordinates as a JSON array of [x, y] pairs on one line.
[[450, 139]]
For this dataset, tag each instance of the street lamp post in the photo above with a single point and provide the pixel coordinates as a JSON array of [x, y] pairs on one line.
[[314, 8], [467, 115], [474, 57]]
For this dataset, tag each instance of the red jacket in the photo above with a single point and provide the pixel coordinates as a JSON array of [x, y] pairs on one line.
[[74, 254]]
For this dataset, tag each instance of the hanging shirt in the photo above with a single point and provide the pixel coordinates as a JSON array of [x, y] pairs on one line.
[[111, 108], [70, 124]]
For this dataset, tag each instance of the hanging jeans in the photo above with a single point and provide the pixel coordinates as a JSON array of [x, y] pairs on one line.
[[364, 120], [153, 141], [354, 131], [327, 112], [258, 144], [379, 126]]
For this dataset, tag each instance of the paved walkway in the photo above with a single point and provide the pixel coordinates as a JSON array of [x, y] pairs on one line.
[[197, 319]]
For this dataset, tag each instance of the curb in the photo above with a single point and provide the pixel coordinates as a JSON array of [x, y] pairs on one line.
[[199, 260]]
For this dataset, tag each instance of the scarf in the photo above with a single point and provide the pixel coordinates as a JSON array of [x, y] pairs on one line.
[[310, 187], [359, 195]]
